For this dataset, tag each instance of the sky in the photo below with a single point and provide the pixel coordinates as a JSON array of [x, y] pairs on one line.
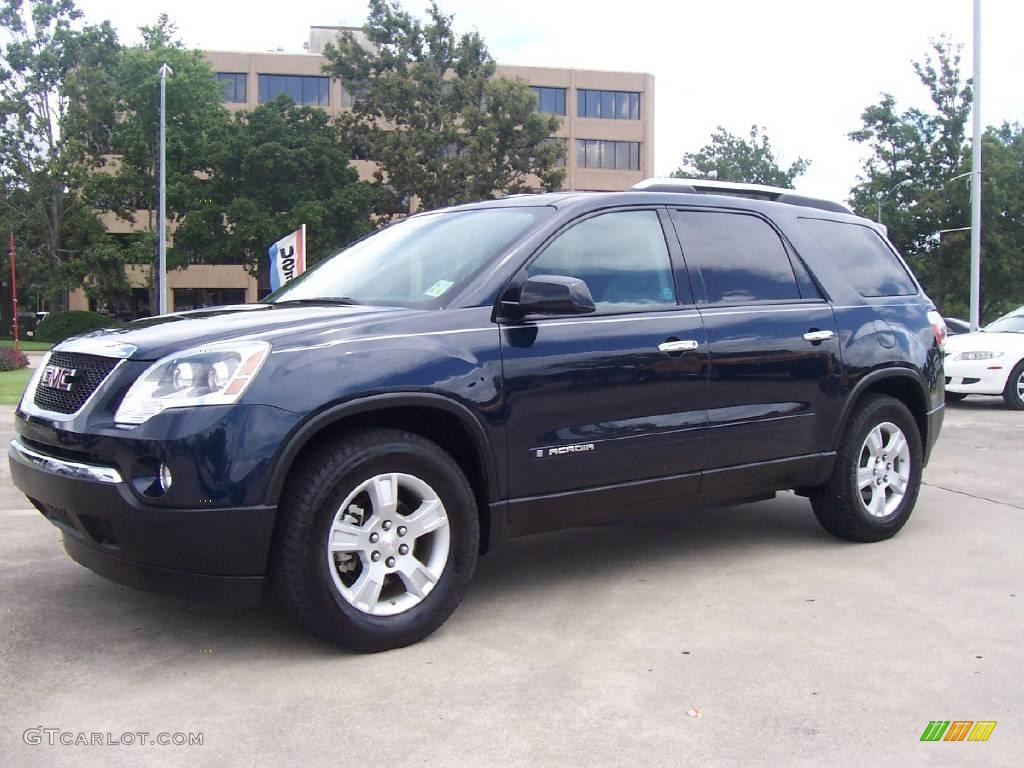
[[803, 69]]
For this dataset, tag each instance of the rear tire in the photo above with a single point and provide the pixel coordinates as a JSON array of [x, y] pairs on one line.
[[877, 474], [1013, 393], [377, 538]]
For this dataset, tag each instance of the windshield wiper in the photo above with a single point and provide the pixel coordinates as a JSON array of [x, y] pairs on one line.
[[345, 301]]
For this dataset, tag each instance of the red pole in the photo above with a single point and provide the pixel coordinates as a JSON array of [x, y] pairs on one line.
[[14, 303]]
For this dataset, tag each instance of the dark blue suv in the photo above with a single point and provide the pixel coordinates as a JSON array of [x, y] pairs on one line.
[[487, 371]]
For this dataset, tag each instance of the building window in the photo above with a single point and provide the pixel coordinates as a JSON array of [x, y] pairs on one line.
[[303, 89], [611, 105], [233, 84], [197, 298], [614, 155], [550, 99]]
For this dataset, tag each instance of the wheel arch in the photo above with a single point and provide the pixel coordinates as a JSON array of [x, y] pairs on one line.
[[901, 383], [437, 418]]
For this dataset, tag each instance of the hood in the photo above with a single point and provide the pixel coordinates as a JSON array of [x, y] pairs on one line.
[[155, 337], [986, 342]]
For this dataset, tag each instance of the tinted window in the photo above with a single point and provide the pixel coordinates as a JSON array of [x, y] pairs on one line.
[[622, 257], [302, 89], [862, 256], [233, 84], [550, 99], [610, 105], [739, 257], [614, 155]]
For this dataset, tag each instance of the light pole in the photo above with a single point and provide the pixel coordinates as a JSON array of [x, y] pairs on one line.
[[883, 195], [976, 176], [162, 247]]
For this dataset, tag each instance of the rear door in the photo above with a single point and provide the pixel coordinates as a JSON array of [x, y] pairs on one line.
[[614, 397], [772, 339]]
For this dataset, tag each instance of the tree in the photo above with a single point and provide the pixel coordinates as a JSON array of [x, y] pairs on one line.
[[274, 169], [927, 149], [54, 87], [429, 111], [196, 120], [733, 158]]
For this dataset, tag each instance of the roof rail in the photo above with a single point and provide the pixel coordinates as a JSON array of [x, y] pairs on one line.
[[755, 191]]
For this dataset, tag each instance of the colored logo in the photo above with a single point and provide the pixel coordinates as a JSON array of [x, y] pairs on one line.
[[958, 730]]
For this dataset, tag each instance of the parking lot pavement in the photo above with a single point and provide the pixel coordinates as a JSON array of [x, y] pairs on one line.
[[586, 647]]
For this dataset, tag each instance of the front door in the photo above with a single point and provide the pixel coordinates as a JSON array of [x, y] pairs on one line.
[[612, 398]]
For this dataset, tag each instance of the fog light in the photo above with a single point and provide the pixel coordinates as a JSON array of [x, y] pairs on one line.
[[165, 478]]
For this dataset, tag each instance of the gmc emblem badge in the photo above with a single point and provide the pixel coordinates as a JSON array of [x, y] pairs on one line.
[[56, 377]]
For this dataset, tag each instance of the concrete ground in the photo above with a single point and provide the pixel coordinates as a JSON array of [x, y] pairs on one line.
[[583, 648]]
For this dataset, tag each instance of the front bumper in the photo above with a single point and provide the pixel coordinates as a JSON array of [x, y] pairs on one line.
[[217, 553], [976, 377]]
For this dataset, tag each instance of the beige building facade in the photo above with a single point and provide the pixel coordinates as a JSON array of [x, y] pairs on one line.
[[607, 125]]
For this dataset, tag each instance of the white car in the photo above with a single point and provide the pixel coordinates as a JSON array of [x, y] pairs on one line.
[[989, 362]]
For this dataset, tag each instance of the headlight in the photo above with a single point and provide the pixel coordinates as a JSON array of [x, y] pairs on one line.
[[213, 375], [977, 355]]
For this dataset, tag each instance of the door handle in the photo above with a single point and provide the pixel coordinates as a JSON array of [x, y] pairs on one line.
[[676, 345], [813, 336]]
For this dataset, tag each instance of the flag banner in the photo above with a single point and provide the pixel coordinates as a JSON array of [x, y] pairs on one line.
[[287, 258]]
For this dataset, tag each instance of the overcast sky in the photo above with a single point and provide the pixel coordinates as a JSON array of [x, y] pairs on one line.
[[802, 68]]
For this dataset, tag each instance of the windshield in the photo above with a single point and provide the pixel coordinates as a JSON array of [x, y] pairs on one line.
[[416, 262], [1008, 324]]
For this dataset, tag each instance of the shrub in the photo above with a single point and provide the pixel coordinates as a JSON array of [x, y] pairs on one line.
[[57, 326], [11, 362]]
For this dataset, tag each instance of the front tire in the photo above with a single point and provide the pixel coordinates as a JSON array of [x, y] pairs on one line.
[[877, 474], [377, 539], [1013, 393]]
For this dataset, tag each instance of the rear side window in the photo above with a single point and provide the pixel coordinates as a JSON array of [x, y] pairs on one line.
[[862, 256], [740, 258]]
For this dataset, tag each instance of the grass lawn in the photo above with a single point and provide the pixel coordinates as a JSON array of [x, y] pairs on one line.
[[12, 383], [28, 345]]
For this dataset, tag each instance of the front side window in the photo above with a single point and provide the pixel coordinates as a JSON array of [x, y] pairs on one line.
[[302, 89], [621, 256], [862, 256], [739, 257], [418, 262]]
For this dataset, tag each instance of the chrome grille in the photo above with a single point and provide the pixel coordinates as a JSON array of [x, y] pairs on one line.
[[89, 373]]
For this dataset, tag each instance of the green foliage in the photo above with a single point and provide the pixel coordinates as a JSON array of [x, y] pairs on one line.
[[734, 158], [196, 120], [929, 149], [57, 326], [10, 361], [54, 82], [12, 384], [429, 111], [274, 169]]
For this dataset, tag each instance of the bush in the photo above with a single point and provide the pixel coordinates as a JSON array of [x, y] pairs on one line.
[[11, 362], [57, 326]]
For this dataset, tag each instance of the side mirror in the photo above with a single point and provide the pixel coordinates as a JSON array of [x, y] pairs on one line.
[[552, 295]]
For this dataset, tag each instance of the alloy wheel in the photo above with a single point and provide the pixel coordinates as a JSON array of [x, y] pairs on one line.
[[388, 544], [883, 470]]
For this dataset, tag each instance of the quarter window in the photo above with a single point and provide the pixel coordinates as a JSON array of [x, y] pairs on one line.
[[862, 256], [738, 257], [621, 256]]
